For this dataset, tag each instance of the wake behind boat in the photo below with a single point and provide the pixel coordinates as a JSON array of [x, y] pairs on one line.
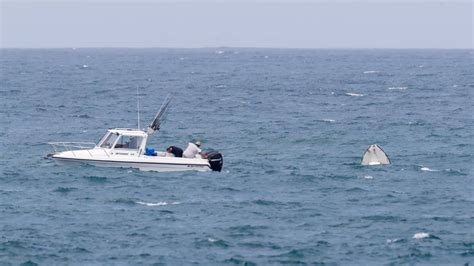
[[126, 147]]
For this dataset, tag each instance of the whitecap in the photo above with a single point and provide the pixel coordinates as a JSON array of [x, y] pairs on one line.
[[368, 177], [328, 120], [212, 240], [219, 52], [221, 86], [455, 86], [427, 169], [395, 240], [421, 235], [85, 66], [398, 88], [354, 94], [161, 203], [371, 71], [9, 190]]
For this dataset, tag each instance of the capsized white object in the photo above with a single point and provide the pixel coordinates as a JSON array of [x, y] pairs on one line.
[[374, 155], [421, 235], [126, 147]]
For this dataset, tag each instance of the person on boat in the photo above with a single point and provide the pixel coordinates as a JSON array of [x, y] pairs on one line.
[[175, 151], [192, 150]]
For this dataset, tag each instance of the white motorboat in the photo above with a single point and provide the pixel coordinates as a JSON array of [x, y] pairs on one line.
[[126, 147]]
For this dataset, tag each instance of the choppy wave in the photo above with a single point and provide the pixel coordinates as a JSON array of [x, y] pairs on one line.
[[427, 169], [154, 204], [213, 242], [292, 190], [82, 116], [64, 189], [354, 94], [98, 179], [327, 120], [396, 240]]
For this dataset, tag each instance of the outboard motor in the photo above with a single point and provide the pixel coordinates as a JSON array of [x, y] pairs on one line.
[[216, 161]]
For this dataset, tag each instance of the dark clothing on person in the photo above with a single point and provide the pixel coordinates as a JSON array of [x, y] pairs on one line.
[[176, 151]]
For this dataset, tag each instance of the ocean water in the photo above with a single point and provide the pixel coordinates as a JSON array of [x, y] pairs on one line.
[[292, 126]]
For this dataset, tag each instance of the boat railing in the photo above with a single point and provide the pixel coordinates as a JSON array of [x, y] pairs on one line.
[[72, 146]]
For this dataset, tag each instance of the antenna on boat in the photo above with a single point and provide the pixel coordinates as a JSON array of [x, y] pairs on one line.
[[161, 115], [138, 110]]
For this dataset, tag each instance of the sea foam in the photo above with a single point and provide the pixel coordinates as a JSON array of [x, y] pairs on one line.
[[427, 169], [327, 120], [354, 94], [161, 203]]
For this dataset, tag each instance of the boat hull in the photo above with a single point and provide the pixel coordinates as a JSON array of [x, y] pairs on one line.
[[144, 165]]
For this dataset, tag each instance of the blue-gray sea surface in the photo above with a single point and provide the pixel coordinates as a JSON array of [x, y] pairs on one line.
[[292, 126]]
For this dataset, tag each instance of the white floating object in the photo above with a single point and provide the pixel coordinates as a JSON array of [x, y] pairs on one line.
[[374, 155], [421, 235]]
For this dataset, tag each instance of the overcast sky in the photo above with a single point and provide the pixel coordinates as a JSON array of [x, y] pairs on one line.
[[232, 23]]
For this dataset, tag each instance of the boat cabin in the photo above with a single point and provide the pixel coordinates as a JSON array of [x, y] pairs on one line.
[[124, 141]]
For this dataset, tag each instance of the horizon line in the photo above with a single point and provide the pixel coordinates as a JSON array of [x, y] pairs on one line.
[[243, 47]]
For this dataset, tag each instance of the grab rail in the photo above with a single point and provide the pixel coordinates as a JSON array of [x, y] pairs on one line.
[[71, 146]]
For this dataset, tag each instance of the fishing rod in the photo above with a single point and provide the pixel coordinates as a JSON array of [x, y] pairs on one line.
[[160, 115]]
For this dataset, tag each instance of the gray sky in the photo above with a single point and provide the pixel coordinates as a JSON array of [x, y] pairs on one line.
[[261, 23]]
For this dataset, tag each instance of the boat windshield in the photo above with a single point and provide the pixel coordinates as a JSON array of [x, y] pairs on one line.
[[129, 142], [109, 141]]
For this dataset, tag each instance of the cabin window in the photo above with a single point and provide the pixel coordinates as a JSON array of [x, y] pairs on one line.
[[129, 142], [109, 141]]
